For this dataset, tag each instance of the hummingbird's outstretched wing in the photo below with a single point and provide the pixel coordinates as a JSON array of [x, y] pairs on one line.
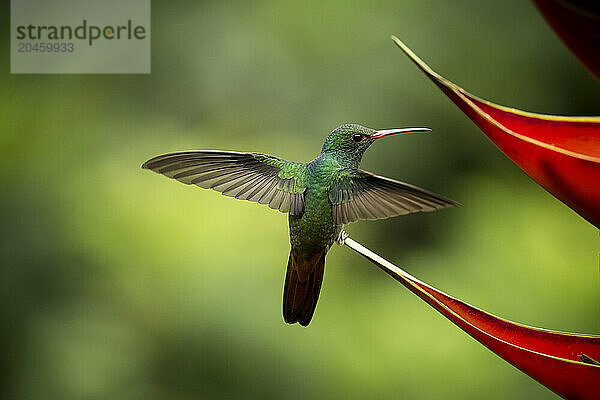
[[247, 176], [356, 194]]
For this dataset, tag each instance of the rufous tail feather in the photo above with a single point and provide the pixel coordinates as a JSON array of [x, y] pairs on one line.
[[302, 287]]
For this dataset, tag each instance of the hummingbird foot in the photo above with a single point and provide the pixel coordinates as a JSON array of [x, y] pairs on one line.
[[342, 237]]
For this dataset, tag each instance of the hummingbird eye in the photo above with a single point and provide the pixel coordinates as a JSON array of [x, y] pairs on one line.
[[357, 137]]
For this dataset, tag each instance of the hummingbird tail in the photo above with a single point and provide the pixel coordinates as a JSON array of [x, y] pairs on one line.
[[302, 287]]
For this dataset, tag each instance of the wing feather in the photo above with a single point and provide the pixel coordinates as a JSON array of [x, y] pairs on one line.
[[357, 195], [269, 192], [247, 176], [285, 203], [259, 190]]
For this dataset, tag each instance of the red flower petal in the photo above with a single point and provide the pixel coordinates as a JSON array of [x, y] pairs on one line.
[[577, 23], [551, 358], [562, 154]]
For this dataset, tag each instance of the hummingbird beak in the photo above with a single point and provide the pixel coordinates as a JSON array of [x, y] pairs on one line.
[[388, 132]]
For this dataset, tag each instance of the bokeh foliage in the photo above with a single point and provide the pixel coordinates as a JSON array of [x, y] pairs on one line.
[[117, 283]]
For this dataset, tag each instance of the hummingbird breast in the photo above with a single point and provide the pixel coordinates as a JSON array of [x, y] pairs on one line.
[[314, 229]]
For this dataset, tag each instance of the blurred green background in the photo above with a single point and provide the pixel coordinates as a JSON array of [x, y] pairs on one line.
[[117, 283]]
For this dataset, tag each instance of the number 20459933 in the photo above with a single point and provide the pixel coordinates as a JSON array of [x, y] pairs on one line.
[[26, 47]]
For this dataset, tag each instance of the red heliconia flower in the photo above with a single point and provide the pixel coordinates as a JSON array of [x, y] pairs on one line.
[[554, 359], [562, 154], [577, 23]]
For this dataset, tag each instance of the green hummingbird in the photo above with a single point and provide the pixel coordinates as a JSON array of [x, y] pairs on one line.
[[320, 196]]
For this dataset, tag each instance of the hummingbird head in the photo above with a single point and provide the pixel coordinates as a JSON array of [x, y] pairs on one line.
[[348, 142]]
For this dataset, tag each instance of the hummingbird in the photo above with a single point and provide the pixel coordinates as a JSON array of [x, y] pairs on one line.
[[320, 197]]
